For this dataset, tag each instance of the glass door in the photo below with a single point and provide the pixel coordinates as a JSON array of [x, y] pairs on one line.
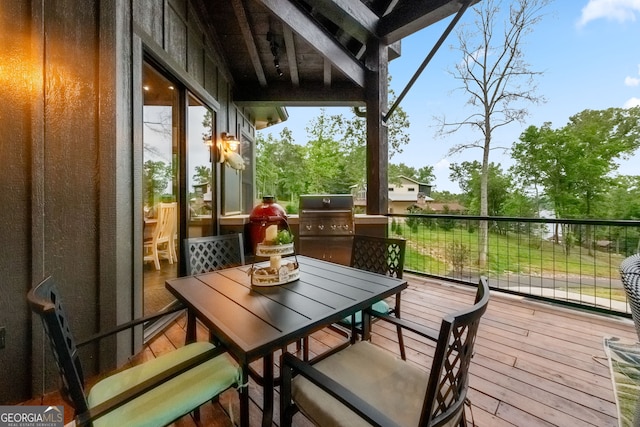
[[200, 173], [160, 174]]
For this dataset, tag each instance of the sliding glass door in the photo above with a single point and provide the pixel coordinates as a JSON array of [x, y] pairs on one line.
[[160, 184], [179, 197]]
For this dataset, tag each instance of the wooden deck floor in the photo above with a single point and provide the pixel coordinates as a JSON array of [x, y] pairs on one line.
[[535, 364]]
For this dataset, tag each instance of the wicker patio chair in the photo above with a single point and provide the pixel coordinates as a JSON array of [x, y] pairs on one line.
[[630, 275], [365, 384], [156, 392]]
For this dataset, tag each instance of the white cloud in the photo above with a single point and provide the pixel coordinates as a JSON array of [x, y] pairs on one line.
[[631, 81], [613, 10], [442, 164], [633, 102]]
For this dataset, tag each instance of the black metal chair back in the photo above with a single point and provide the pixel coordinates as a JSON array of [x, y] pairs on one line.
[[449, 375], [45, 300], [205, 254], [378, 254], [375, 400]]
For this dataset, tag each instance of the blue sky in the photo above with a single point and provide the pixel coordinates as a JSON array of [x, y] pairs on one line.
[[588, 51]]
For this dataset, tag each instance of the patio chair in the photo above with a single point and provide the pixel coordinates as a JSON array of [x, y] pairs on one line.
[[630, 275], [367, 385], [379, 255], [205, 254], [162, 243], [156, 392]]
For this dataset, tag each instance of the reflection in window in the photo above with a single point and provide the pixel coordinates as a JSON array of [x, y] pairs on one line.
[[200, 183], [160, 199]]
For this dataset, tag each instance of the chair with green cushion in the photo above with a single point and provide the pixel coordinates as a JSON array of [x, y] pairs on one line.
[[365, 385], [381, 255], [154, 393]]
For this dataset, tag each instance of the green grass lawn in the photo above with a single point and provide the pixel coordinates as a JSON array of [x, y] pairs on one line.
[[429, 250]]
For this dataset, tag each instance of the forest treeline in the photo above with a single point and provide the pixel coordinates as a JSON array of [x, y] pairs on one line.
[[570, 170]]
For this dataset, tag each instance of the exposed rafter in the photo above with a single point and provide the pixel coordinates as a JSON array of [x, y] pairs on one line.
[[282, 94], [290, 47], [327, 73], [243, 21], [306, 27], [353, 17], [411, 16]]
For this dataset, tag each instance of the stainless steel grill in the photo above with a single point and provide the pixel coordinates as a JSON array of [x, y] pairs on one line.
[[326, 226]]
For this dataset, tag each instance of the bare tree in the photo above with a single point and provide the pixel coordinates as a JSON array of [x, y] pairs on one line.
[[497, 79]]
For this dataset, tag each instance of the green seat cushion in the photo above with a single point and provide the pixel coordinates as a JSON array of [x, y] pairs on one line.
[[380, 306], [395, 387], [172, 399]]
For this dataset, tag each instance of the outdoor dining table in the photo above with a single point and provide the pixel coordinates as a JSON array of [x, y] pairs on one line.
[[253, 322]]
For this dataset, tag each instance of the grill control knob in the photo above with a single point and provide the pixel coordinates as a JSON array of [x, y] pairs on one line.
[[309, 227], [321, 227], [333, 227]]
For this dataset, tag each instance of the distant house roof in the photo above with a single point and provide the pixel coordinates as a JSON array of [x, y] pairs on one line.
[[439, 206]]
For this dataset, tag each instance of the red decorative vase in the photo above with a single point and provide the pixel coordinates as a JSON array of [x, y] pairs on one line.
[[263, 215]]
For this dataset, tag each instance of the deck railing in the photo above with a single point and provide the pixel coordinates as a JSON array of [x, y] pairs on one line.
[[570, 261]]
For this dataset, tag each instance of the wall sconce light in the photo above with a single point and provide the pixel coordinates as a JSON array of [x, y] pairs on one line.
[[224, 150], [230, 141]]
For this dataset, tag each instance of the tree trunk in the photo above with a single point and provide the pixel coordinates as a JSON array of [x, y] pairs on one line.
[[483, 226]]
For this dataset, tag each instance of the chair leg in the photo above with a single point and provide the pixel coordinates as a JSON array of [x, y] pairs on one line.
[[287, 407], [156, 260], [403, 354]]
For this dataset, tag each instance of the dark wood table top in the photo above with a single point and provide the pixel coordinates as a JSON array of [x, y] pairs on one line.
[[253, 321]]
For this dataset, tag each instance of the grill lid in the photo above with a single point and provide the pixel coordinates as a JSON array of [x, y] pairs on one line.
[[313, 202]]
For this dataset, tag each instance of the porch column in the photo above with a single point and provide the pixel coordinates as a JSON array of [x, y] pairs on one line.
[[377, 144]]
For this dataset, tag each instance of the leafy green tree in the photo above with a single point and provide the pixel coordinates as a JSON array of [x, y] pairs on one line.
[[291, 161], [468, 175], [354, 136], [156, 178], [325, 154], [574, 164], [425, 175], [266, 169], [203, 175], [623, 198], [624, 203], [445, 196], [280, 166], [397, 170], [519, 204], [498, 81], [600, 138]]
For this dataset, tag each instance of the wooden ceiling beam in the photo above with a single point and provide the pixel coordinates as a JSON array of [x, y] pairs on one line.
[[410, 16], [245, 28], [290, 47], [316, 95], [327, 73], [307, 28], [353, 17]]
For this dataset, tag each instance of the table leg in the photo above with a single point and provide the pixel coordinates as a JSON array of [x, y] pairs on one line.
[[366, 325], [267, 391], [191, 327], [244, 397]]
